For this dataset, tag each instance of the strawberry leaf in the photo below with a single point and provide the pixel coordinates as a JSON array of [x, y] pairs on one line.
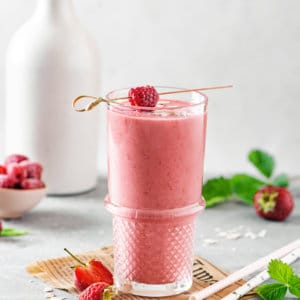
[[294, 285], [280, 271], [216, 190], [272, 291], [6, 232], [215, 201], [281, 180], [245, 186], [263, 161]]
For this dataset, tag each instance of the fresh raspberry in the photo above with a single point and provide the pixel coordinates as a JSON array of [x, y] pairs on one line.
[[97, 291], [32, 183], [33, 169], [15, 158], [16, 171], [6, 181], [2, 169], [143, 96]]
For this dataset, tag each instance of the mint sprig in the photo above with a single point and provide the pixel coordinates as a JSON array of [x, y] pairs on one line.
[[295, 285], [243, 186], [272, 291], [286, 279], [8, 232], [280, 271]]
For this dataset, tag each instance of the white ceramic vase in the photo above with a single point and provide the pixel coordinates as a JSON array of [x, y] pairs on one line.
[[51, 59]]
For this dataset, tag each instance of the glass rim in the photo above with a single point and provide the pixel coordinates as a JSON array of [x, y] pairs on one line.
[[203, 101]]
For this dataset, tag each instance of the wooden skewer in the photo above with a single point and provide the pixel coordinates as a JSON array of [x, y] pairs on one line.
[[98, 100], [183, 91], [197, 90]]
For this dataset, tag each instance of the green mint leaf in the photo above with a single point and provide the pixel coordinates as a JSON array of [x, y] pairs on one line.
[[245, 186], [263, 161], [281, 180], [216, 190], [294, 285], [12, 232], [280, 271], [272, 291]]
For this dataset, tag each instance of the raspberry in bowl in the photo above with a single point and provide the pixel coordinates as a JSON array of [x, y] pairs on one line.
[[21, 186]]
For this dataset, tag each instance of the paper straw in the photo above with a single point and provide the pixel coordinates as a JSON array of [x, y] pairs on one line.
[[260, 278], [248, 270]]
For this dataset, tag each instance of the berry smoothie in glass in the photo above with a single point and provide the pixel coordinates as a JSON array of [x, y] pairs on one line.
[[155, 164]]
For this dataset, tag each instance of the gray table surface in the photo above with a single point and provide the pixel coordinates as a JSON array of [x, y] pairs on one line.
[[81, 223]]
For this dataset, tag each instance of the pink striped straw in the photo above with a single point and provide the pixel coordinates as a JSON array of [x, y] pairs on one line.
[[248, 270]]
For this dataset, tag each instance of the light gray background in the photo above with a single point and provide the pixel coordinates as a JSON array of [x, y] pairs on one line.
[[254, 45]]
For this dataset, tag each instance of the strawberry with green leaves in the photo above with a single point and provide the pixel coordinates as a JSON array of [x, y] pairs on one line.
[[244, 187]]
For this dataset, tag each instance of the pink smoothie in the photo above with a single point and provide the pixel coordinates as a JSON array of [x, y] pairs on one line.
[[155, 162]]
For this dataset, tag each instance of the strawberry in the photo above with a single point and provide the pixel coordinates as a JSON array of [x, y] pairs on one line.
[[0, 226], [97, 291], [2, 169], [143, 96], [87, 274], [273, 203], [15, 158], [90, 273]]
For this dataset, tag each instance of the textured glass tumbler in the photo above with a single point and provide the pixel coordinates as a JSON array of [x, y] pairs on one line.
[[153, 250], [153, 253], [155, 163]]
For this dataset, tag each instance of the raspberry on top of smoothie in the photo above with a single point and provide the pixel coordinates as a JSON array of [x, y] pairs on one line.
[[143, 96]]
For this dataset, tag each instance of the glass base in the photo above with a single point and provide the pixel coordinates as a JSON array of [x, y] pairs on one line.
[[154, 290]]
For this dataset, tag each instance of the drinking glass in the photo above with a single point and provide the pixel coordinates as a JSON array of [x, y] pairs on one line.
[[155, 170]]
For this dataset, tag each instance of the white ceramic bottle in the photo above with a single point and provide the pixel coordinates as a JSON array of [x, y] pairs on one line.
[[52, 59]]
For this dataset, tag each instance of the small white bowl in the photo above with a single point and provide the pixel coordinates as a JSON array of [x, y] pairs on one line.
[[14, 203]]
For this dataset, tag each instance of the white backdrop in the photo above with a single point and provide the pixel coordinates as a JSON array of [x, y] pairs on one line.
[[253, 44]]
